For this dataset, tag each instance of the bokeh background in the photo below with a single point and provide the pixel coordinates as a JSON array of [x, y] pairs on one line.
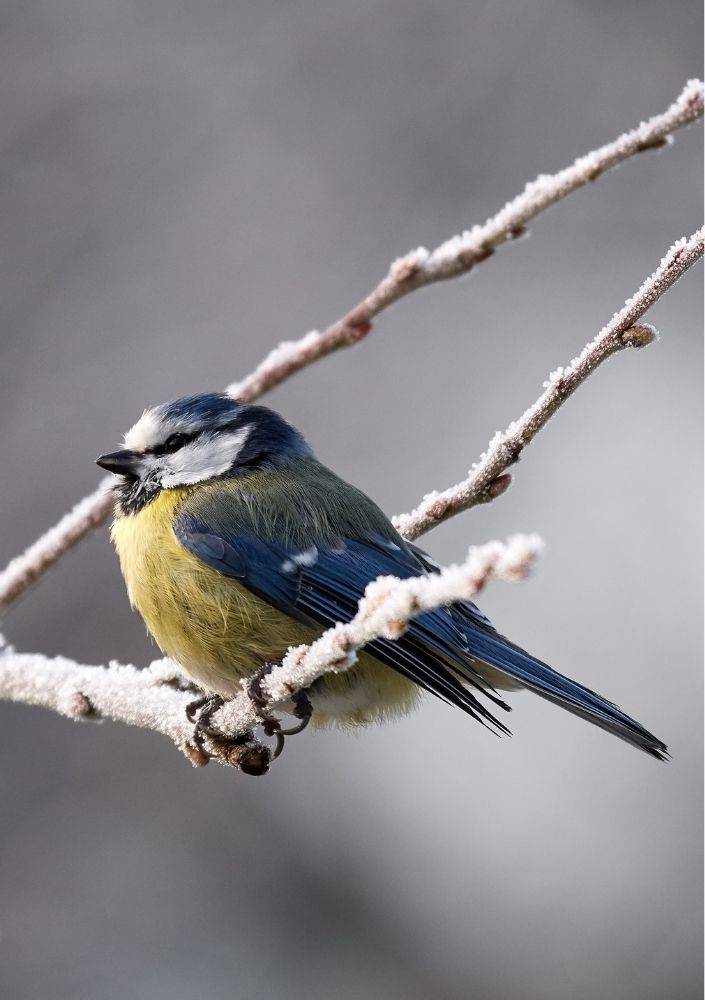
[[183, 186]]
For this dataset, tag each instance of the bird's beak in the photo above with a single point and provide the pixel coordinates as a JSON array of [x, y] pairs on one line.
[[122, 463]]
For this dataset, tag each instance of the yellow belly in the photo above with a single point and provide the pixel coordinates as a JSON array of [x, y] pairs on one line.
[[220, 633]]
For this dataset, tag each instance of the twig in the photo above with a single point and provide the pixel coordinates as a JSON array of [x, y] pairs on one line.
[[148, 698], [154, 698], [488, 477], [21, 572], [460, 254], [420, 267]]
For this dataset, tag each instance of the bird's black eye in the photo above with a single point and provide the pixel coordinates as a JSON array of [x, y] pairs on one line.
[[172, 443], [175, 441]]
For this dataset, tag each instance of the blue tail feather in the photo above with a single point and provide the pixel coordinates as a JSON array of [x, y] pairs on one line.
[[488, 646]]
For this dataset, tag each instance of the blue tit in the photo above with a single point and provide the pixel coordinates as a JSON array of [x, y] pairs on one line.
[[236, 543]]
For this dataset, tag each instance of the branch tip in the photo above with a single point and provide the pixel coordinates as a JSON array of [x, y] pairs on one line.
[[504, 449], [253, 759]]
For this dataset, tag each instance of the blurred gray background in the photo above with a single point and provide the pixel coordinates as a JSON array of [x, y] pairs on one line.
[[183, 186]]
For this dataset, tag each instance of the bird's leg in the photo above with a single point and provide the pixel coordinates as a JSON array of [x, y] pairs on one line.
[[251, 756], [193, 706], [270, 724], [200, 712], [191, 709], [254, 688], [208, 707]]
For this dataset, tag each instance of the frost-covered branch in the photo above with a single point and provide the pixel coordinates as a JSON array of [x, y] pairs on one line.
[[419, 268], [147, 698], [155, 698], [460, 254], [489, 477], [21, 572]]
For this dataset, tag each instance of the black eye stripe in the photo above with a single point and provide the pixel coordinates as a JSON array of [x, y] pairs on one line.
[[178, 440]]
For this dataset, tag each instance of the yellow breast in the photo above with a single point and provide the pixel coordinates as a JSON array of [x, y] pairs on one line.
[[216, 629]]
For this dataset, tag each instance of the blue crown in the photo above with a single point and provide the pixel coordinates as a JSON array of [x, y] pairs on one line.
[[203, 407]]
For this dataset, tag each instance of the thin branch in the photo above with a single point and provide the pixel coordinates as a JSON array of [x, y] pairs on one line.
[[154, 698], [416, 269], [460, 254], [21, 572], [489, 477], [148, 698]]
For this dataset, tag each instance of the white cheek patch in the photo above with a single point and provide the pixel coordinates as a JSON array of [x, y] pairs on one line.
[[204, 458]]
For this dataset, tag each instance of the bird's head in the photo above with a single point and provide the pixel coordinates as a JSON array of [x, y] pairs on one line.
[[195, 439]]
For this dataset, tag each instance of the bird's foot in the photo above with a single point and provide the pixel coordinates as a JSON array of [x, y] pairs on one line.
[[244, 752], [270, 724], [200, 712]]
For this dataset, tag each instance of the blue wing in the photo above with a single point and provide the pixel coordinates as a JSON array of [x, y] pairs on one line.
[[321, 584]]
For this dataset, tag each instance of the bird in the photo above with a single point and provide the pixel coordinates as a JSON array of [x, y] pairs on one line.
[[236, 543]]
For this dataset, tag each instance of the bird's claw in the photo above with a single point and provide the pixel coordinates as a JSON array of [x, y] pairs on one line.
[[200, 712], [303, 710], [270, 724]]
